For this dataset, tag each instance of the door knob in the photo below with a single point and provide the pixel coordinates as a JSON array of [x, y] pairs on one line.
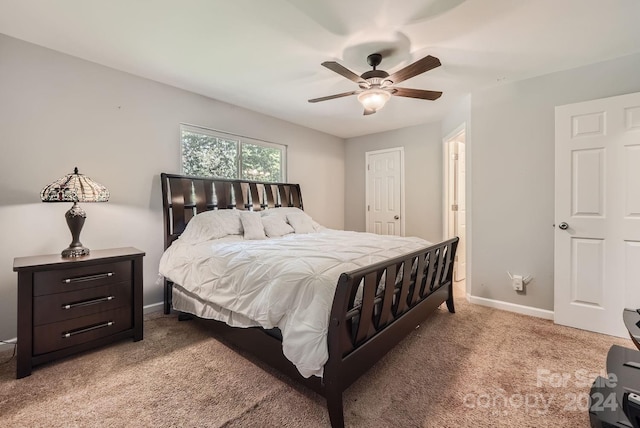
[[563, 226], [396, 217]]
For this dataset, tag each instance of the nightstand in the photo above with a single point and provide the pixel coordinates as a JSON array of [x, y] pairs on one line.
[[69, 305]]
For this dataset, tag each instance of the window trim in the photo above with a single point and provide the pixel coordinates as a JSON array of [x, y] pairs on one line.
[[241, 139]]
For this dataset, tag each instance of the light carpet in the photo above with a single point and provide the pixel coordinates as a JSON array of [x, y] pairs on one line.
[[480, 367]]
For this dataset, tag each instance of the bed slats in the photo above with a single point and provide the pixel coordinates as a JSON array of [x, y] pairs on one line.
[[223, 194], [257, 195], [406, 285], [427, 287], [200, 194], [240, 194], [272, 195], [285, 195], [366, 329], [188, 196], [387, 301]]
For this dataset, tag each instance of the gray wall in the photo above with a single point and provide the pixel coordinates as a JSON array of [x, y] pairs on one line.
[[460, 114], [512, 131], [423, 178], [58, 112]]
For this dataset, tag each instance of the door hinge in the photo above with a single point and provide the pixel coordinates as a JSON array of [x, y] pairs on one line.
[[454, 207], [368, 167], [368, 207]]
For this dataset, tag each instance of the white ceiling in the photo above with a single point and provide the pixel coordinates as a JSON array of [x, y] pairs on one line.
[[265, 55]]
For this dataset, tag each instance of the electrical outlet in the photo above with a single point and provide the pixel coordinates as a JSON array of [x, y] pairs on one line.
[[517, 282]]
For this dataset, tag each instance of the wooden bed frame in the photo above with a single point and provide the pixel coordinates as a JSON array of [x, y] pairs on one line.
[[357, 336]]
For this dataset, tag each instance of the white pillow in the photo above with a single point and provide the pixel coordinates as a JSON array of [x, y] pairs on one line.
[[210, 225], [276, 225], [252, 225], [281, 211], [300, 222], [285, 211]]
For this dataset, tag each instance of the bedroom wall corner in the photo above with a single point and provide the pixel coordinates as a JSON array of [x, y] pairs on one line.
[[423, 178]]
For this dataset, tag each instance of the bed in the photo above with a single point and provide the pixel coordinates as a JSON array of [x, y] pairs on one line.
[[389, 284]]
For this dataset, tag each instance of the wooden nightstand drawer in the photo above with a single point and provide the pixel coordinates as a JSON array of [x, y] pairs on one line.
[[63, 306], [63, 334], [63, 280]]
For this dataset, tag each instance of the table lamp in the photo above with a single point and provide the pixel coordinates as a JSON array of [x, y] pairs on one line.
[[75, 188]]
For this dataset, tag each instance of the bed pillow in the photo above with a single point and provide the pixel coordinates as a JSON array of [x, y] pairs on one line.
[[301, 222], [285, 211], [281, 211], [210, 225], [276, 225], [252, 225]]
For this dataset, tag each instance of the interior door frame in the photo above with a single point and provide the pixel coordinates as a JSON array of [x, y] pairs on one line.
[[402, 187], [462, 128]]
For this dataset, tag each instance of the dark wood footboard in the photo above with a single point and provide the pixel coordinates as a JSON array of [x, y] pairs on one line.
[[397, 295]]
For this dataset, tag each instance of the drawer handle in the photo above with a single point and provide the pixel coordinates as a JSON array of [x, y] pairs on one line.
[[88, 302], [87, 329], [88, 277]]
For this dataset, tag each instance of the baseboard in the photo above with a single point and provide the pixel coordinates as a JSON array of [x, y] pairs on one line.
[[153, 307], [8, 346], [512, 307]]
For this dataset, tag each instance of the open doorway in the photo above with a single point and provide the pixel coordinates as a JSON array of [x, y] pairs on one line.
[[455, 213]]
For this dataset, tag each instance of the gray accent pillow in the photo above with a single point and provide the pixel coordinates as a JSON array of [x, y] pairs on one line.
[[252, 225], [276, 225], [300, 222]]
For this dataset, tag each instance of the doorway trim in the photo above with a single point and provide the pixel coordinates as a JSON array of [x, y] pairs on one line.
[[453, 135]]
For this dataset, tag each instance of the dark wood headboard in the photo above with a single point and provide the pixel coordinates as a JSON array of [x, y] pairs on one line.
[[184, 196]]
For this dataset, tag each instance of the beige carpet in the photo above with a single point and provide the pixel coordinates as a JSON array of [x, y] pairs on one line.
[[477, 368]]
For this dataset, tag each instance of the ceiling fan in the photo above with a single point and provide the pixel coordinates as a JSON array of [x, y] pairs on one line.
[[377, 86]]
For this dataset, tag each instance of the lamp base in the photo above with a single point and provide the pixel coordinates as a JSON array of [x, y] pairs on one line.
[[75, 220], [75, 252]]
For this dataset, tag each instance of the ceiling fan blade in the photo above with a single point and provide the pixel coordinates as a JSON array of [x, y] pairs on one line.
[[330, 97], [417, 93], [425, 64], [343, 71], [367, 112]]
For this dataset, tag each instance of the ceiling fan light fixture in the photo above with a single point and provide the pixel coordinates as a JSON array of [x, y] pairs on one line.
[[374, 99]]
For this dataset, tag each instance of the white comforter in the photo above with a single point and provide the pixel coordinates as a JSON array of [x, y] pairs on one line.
[[287, 282]]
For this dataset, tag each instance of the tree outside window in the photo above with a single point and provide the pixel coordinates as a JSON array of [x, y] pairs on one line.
[[261, 163], [208, 153]]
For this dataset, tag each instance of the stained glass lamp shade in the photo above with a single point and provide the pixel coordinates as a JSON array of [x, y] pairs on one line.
[[75, 188]]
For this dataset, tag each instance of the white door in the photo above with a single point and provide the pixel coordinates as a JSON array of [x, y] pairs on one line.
[[597, 214], [384, 177]]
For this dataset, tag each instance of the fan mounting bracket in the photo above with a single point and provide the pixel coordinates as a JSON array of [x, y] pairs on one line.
[[374, 60]]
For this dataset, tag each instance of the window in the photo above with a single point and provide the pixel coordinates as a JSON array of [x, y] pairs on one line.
[[209, 153]]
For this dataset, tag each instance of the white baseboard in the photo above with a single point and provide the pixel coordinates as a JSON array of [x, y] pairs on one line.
[[512, 307], [153, 307], [7, 346]]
